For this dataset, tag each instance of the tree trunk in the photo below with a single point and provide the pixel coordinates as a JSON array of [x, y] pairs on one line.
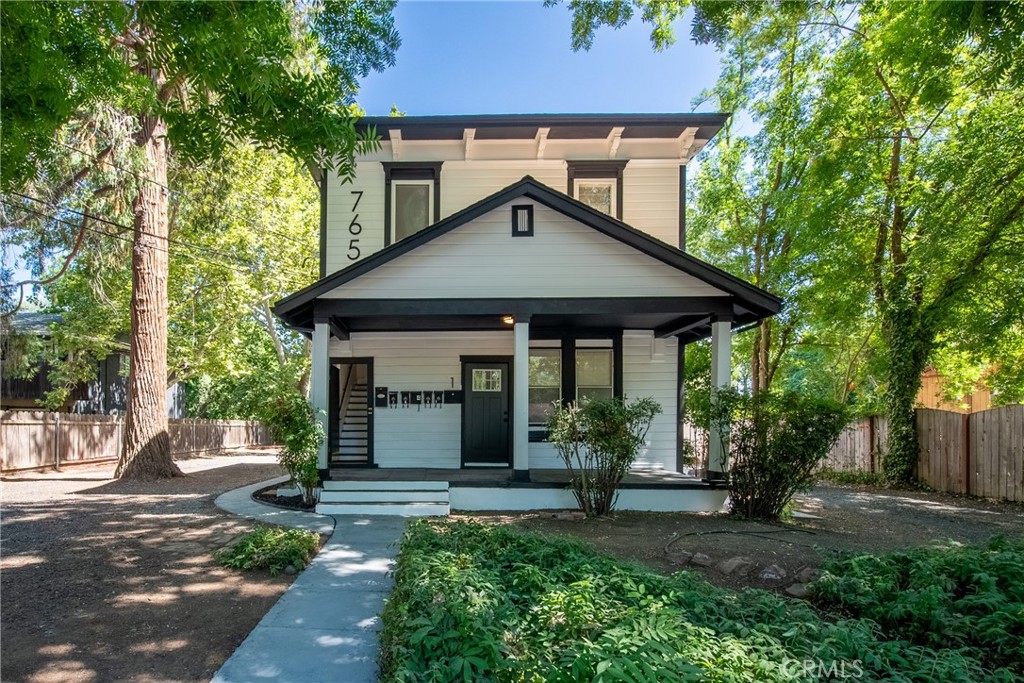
[[765, 332], [908, 341], [146, 452]]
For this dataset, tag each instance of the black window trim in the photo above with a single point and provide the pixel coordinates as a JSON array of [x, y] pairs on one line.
[[409, 170], [598, 170]]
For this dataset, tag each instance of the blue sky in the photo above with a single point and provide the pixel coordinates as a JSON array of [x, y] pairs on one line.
[[515, 57]]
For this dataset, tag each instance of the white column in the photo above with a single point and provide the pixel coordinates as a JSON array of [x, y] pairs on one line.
[[521, 402], [320, 377], [721, 372]]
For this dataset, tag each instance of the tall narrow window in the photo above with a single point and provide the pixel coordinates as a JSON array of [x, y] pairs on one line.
[[594, 373], [413, 202], [545, 383]]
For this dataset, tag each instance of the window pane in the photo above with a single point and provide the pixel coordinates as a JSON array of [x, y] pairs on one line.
[[595, 195], [590, 393], [594, 367], [487, 380], [542, 402], [412, 209], [545, 367]]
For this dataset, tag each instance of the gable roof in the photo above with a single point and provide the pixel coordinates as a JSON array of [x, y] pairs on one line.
[[750, 297]]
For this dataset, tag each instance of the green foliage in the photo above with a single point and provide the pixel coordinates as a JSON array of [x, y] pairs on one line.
[[272, 548], [599, 440], [950, 596], [776, 443], [479, 603], [294, 425]]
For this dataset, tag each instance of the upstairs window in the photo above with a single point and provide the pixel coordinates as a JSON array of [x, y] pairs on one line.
[[598, 184], [411, 198]]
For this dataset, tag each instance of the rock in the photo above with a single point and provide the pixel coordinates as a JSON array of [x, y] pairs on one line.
[[807, 575], [736, 565], [772, 572], [679, 556], [570, 516], [797, 590], [290, 570], [701, 560]]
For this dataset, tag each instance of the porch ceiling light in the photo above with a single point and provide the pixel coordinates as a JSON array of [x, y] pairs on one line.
[[508, 320]]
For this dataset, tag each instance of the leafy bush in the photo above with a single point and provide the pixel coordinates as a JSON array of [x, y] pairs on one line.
[[775, 446], [295, 427], [272, 548], [957, 596], [476, 603], [599, 441]]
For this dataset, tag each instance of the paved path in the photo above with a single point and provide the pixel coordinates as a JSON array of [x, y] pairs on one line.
[[240, 502], [325, 627]]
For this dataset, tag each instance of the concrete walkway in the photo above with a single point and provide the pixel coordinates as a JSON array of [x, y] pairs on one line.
[[325, 627], [239, 502]]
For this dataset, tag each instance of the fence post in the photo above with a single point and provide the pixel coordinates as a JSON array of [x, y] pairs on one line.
[[56, 443], [965, 453]]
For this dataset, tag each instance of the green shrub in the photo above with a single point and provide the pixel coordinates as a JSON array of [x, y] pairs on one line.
[[272, 548], [776, 443], [599, 441], [951, 596], [476, 603], [294, 425]]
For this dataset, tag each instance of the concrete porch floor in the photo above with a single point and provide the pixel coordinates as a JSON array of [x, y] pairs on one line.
[[501, 477]]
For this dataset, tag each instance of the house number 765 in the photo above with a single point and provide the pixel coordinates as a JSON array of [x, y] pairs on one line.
[[354, 229]]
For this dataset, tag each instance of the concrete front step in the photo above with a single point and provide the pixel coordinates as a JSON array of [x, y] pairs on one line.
[[404, 496], [383, 485], [396, 509]]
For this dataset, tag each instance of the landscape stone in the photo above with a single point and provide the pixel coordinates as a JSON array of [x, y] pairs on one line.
[[772, 572], [808, 575], [289, 570], [701, 560], [736, 565], [797, 590], [570, 516], [679, 556]]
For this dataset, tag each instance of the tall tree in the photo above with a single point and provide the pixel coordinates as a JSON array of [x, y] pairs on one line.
[[197, 76]]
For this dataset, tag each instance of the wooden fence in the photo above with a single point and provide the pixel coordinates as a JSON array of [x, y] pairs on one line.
[[980, 454], [35, 439]]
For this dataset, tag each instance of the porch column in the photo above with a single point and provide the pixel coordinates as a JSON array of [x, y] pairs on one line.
[[721, 371], [521, 401], [320, 383]]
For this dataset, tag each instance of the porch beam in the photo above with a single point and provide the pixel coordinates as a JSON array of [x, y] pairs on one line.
[[681, 325], [522, 308], [521, 401], [721, 376], [320, 384], [339, 329]]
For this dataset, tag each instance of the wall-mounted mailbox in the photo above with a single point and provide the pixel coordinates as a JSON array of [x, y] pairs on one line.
[[452, 396], [406, 398], [416, 398], [392, 399], [428, 399], [380, 397], [438, 398]]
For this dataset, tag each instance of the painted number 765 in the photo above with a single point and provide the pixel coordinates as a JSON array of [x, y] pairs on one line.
[[354, 229]]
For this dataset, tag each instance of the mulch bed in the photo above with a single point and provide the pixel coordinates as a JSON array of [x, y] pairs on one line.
[[269, 496], [116, 581]]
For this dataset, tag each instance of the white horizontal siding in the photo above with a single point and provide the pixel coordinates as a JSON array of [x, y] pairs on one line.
[[427, 437], [465, 183], [650, 200], [563, 259], [369, 179]]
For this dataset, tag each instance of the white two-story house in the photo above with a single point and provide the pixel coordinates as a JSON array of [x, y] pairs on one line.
[[478, 268]]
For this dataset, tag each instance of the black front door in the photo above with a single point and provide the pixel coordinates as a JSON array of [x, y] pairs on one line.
[[485, 412]]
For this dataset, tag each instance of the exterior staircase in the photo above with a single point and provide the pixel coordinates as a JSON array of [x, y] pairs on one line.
[[402, 498], [352, 445]]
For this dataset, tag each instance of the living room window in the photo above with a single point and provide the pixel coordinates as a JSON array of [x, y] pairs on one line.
[[411, 199], [595, 374], [545, 383]]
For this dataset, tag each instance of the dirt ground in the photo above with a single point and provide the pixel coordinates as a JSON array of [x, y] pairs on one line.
[[847, 520], [115, 581]]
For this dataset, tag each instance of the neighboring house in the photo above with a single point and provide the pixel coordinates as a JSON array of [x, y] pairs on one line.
[[105, 395], [932, 395], [478, 268]]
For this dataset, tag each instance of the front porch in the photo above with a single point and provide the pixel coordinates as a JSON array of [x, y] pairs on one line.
[[414, 491]]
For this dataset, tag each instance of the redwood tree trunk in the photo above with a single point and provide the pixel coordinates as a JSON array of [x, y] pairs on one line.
[[146, 452]]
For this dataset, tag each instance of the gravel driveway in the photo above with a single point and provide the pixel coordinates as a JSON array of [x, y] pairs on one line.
[[115, 581]]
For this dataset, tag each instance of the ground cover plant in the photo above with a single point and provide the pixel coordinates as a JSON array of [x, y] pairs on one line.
[[951, 595], [271, 548], [485, 603]]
